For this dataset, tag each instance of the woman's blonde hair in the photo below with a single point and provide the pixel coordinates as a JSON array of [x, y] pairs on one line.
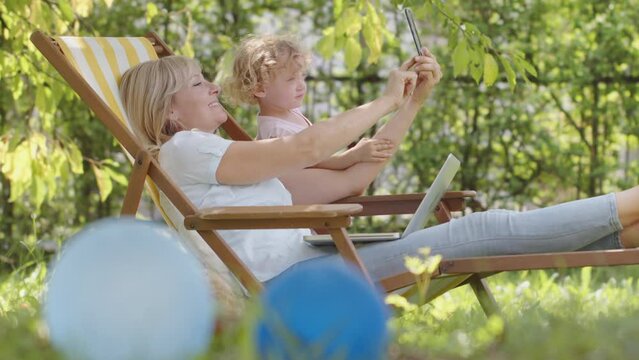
[[256, 60], [147, 89]]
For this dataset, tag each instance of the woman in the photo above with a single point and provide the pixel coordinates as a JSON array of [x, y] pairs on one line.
[[175, 112]]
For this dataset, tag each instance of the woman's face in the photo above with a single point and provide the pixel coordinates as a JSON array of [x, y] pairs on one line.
[[196, 106]]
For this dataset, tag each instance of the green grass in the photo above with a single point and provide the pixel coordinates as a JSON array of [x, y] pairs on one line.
[[577, 314]]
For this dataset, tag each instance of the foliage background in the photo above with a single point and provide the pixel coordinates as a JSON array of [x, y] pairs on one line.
[[570, 131]]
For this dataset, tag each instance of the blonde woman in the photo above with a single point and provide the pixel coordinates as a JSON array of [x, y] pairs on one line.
[[175, 112]]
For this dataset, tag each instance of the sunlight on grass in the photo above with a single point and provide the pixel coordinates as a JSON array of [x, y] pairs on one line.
[[576, 314]]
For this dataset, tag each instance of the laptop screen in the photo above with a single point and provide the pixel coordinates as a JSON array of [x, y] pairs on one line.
[[434, 195]]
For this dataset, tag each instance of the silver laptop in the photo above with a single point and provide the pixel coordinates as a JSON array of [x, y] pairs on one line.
[[417, 222]]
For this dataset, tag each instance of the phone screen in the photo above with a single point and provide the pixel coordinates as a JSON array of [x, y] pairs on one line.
[[413, 30]]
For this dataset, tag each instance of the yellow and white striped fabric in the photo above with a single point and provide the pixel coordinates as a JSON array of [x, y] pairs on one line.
[[101, 61]]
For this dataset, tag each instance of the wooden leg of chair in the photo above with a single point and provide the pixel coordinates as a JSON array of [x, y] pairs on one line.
[[136, 183], [234, 263], [347, 250], [440, 286], [483, 294]]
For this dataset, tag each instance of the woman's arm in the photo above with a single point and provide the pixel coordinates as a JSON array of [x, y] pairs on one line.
[[249, 162]]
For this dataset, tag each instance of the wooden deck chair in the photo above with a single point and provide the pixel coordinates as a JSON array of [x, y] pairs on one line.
[[92, 66]]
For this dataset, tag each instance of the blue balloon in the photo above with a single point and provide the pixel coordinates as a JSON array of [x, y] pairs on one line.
[[322, 311], [127, 289]]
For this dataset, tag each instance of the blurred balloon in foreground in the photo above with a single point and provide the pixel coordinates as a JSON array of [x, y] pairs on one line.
[[322, 311], [127, 289]]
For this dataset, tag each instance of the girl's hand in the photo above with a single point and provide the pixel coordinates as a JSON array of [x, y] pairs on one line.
[[429, 73], [372, 150], [400, 86]]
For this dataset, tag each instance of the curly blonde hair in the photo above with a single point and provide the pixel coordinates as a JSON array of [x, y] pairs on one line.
[[256, 60]]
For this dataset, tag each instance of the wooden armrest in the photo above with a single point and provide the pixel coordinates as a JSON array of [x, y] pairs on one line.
[[334, 217], [273, 217], [404, 203]]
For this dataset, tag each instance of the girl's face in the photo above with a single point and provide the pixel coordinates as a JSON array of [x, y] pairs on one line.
[[196, 106], [286, 88]]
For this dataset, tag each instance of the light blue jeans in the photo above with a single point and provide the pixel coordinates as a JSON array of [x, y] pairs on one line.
[[589, 224]]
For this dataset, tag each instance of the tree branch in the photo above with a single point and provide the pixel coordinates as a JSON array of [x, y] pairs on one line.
[[570, 119]]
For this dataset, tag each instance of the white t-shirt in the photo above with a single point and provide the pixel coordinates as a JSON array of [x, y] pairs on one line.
[[191, 159], [269, 127]]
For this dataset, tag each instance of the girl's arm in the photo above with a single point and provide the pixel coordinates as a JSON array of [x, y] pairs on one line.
[[366, 150], [249, 162]]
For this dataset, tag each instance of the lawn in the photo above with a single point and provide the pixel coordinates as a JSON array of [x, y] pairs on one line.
[[574, 314]]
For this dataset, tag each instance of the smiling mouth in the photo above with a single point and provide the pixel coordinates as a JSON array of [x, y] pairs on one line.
[[214, 104]]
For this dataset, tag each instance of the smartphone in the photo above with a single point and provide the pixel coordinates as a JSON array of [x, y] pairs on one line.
[[413, 29]]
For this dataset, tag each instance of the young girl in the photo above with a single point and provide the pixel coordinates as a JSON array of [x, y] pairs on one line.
[[270, 71]]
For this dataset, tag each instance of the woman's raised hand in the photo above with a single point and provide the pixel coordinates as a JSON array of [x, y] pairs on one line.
[[429, 74], [400, 86]]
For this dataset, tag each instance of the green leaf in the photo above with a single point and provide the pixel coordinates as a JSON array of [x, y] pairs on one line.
[[491, 69], [349, 23], [4, 149], [83, 7], [453, 37], [461, 58], [35, 16], [17, 86], [104, 182], [529, 67], [66, 10], [373, 16], [353, 53], [151, 12], [75, 158], [17, 168], [519, 67], [326, 45], [58, 161], [373, 39], [38, 188], [116, 176], [476, 63], [486, 41], [340, 42], [43, 99], [338, 6], [510, 74]]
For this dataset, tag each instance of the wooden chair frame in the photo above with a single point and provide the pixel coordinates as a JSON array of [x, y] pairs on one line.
[[334, 218]]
